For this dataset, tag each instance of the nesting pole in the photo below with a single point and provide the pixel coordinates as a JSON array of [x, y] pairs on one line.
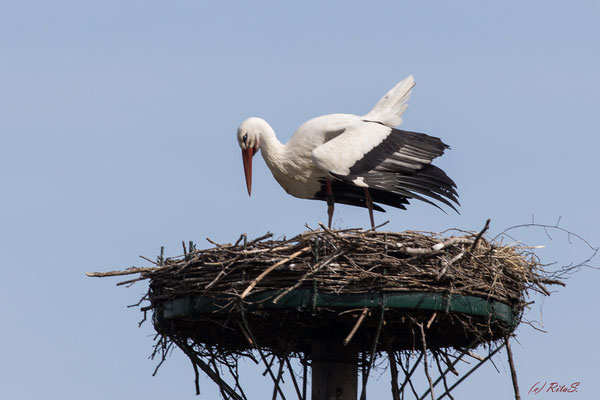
[[334, 369], [335, 302]]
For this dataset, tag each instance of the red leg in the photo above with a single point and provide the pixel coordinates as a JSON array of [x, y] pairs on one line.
[[369, 202], [330, 202]]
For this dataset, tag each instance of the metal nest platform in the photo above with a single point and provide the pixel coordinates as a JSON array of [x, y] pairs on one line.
[[291, 324]]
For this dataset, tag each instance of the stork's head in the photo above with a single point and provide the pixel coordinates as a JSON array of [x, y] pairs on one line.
[[248, 136]]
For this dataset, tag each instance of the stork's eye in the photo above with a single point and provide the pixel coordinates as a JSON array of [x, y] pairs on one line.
[[245, 138]]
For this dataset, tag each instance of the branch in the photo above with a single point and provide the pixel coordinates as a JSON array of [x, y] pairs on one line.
[[128, 271], [270, 269]]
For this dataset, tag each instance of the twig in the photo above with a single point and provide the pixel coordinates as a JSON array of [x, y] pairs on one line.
[[451, 242], [449, 364], [248, 338], [475, 356], [260, 352], [408, 375], [480, 234], [542, 287], [269, 365], [259, 239], [131, 281], [378, 226], [236, 377], [513, 371], [128, 271], [307, 275], [243, 237], [294, 381], [209, 240], [394, 373], [333, 234], [465, 376], [533, 224], [271, 268], [216, 370], [363, 394], [279, 375], [356, 325], [206, 369], [420, 325], [149, 260], [431, 319], [447, 264], [196, 377], [442, 374], [449, 368], [433, 249], [224, 272]]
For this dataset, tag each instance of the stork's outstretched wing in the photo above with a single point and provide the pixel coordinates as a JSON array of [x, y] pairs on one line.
[[391, 161]]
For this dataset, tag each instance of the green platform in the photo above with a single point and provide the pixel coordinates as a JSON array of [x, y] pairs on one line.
[[308, 300]]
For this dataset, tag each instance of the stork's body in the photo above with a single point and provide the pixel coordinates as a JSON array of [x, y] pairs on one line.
[[355, 160]]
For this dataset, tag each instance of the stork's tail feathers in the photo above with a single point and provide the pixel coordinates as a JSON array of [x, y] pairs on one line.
[[390, 108]]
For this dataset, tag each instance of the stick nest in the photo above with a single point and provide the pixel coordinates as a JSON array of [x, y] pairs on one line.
[[240, 278]]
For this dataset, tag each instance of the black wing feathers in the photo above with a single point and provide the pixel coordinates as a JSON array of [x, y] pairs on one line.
[[399, 151], [398, 169]]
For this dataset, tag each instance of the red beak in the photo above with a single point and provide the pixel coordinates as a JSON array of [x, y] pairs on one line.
[[247, 159]]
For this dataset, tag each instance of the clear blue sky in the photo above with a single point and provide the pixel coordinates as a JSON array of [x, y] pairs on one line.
[[118, 124]]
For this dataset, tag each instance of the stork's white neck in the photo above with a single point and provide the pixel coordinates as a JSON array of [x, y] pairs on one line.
[[268, 142], [271, 148]]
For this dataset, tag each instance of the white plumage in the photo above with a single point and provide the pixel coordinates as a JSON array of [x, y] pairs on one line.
[[350, 159], [390, 108]]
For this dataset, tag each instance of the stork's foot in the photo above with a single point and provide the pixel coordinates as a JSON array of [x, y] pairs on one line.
[[369, 202]]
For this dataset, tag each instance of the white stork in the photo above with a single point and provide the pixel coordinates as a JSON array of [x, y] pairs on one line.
[[353, 160]]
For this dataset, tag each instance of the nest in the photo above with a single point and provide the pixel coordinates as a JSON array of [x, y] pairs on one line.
[[281, 294], [413, 298]]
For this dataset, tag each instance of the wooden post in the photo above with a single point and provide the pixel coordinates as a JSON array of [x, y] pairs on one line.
[[334, 369]]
